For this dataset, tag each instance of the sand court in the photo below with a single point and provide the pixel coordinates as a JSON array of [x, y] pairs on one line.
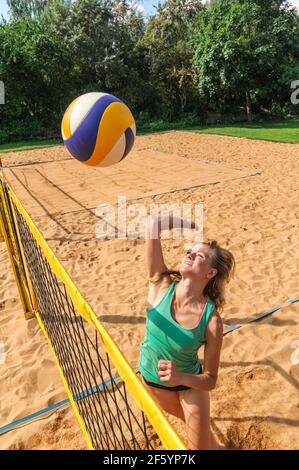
[[255, 403], [63, 186]]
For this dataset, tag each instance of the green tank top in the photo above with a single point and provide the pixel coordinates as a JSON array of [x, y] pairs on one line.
[[166, 339]]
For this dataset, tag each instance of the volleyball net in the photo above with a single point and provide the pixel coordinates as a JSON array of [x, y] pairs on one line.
[[112, 406]]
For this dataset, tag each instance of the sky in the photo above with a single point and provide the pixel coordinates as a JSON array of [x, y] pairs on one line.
[[146, 5]]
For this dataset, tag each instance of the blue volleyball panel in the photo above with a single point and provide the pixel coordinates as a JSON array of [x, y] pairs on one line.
[[129, 135], [82, 142]]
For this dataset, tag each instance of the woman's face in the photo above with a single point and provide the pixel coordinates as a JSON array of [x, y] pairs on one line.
[[197, 263]]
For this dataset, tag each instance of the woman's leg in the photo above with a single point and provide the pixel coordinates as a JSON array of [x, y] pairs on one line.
[[168, 401], [196, 408]]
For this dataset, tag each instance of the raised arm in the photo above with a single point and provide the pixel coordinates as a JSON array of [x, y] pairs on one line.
[[153, 249]]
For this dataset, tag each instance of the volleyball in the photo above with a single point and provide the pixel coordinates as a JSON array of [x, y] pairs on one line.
[[98, 129]]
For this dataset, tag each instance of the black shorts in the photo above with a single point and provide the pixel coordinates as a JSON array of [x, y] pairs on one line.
[[178, 388]]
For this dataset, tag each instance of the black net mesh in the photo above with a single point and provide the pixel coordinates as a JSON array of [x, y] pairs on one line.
[[110, 415]]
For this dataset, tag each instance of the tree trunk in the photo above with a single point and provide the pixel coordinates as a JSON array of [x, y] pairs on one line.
[[248, 106]]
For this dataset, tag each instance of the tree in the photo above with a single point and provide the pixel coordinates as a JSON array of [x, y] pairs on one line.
[[242, 48], [169, 56], [125, 65], [33, 66], [52, 54], [26, 8], [102, 37]]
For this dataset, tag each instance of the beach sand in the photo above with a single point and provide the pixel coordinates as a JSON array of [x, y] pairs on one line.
[[249, 191]]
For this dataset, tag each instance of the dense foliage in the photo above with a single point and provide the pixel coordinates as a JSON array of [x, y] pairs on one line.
[[190, 62]]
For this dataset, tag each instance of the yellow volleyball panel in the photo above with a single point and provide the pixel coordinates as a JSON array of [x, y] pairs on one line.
[[66, 121], [115, 120]]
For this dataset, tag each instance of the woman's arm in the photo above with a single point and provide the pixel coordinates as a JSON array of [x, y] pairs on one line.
[[207, 380], [153, 250]]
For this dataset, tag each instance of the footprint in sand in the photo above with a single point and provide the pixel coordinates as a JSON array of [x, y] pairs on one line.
[[295, 354]]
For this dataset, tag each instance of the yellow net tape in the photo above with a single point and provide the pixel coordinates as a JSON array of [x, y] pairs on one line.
[[85, 354]]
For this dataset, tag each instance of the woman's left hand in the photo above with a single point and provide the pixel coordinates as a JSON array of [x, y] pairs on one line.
[[168, 372]]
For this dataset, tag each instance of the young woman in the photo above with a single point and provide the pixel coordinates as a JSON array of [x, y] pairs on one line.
[[182, 315]]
